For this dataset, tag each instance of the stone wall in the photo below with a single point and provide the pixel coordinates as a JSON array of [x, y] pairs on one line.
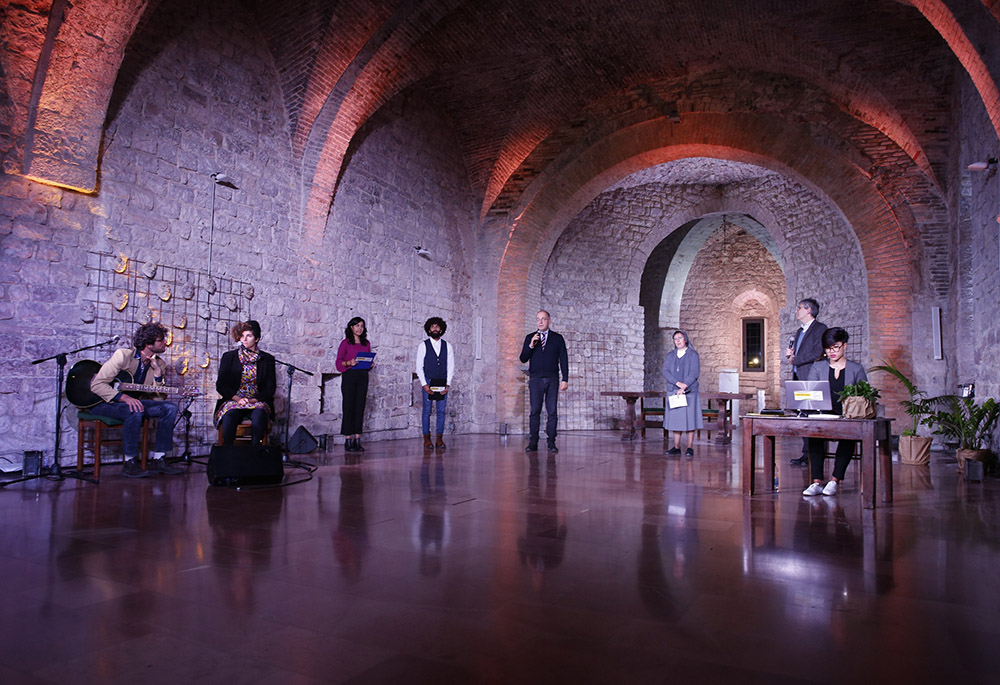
[[733, 277], [183, 110], [404, 187], [588, 279], [972, 340]]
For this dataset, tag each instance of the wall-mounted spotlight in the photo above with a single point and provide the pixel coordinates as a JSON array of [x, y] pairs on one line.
[[224, 179], [422, 252], [990, 165]]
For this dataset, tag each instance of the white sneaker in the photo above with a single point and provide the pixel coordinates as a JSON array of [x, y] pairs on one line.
[[812, 490], [831, 488]]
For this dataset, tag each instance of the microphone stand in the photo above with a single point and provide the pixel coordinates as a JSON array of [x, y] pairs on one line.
[[186, 415], [55, 471], [291, 368]]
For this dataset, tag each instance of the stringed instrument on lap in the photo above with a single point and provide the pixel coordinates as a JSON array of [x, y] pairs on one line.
[[79, 393]]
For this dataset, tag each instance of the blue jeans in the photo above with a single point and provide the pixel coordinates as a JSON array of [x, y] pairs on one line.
[[425, 416], [166, 412]]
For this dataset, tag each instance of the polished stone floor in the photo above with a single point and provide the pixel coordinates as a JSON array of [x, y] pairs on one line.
[[610, 564]]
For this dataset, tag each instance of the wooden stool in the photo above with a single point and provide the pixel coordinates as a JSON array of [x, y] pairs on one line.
[[98, 424]]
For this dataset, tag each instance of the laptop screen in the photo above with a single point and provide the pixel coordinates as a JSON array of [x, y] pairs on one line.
[[808, 395]]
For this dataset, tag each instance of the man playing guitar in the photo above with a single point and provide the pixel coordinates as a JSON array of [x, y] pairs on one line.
[[141, 363]]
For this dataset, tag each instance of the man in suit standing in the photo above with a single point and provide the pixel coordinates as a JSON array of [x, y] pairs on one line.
[[545, 353], [805, 348]]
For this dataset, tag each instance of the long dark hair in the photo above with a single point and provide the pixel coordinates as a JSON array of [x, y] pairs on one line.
[[349, 334]]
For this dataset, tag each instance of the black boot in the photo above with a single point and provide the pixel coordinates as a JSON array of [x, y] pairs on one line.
[[349, 445], [357, 445]]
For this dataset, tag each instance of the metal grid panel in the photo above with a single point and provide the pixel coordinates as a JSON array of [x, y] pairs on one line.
[[198, 320]]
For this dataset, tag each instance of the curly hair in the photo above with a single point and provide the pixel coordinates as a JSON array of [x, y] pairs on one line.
[[148, 334], [435, 320], [241, 327]]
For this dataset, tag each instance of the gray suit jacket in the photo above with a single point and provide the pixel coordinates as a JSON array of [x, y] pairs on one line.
[[810, 350], [820, 371]]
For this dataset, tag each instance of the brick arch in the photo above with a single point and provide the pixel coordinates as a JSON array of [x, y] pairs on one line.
[[964, 25], [767, 301], [669, 310], [538, 219]]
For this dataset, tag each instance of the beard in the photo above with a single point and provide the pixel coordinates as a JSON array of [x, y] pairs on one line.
[[436, 335]]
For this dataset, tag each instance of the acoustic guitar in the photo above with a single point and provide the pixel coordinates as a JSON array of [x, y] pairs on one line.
[[79, 393]]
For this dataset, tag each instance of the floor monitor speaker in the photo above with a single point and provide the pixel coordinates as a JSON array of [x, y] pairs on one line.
[[245, 465], [302, 441]]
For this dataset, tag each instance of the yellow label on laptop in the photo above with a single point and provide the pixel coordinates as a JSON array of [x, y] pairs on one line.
[[808, 395]]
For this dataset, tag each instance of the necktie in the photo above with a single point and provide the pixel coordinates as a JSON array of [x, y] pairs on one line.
[[798, 341], [544, 336]]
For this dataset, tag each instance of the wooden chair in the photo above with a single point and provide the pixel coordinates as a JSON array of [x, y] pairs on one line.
[[651, 416], [709, 417], [99, 427]]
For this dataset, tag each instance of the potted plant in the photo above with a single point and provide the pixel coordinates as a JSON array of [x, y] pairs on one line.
[[913, 448], [970, 424], [860, 400]]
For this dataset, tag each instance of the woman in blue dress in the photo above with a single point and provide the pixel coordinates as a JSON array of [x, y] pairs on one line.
[[681, 369]]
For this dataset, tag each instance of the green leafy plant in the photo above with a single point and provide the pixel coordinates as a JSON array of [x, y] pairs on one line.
[[860, 389], [964, 421], [918, 406]]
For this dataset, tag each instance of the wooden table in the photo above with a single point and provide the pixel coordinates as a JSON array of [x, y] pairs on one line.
[[630, 397], [724, 422], [867, 431]]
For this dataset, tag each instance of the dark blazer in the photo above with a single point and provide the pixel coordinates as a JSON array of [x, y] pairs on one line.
[[231, 372], [810, 350], [548, 362], [820, 371]]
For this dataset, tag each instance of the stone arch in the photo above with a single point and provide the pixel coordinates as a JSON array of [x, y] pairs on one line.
[[74, 79], [670, 299], [541, 215]]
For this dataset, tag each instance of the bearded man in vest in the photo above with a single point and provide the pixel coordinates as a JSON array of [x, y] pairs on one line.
[[435, 366]]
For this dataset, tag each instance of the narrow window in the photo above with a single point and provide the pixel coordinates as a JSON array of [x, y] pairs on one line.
[[753, 344]]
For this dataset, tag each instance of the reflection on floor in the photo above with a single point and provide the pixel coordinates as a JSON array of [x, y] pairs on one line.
[[611, 563]]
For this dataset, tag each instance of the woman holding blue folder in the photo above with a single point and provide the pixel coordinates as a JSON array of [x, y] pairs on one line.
[[354, 361]]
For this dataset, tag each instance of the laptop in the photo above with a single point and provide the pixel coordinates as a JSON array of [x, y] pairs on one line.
[[803, 396]]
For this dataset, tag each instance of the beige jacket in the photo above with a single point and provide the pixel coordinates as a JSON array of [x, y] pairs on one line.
[[124, 359]]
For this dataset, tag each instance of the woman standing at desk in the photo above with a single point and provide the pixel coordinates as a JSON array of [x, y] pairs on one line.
[[681, 369], [354, 382], [840, 371]]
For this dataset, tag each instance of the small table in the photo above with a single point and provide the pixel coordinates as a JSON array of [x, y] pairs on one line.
[[867, 431], [724, 422]]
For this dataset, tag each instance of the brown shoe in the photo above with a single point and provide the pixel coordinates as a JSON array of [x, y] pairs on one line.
[[439, 443], [428, 445]]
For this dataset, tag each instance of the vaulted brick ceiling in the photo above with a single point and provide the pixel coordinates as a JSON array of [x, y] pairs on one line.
[[511, 74]]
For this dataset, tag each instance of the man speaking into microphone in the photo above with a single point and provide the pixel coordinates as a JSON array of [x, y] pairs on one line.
[[545, 353]]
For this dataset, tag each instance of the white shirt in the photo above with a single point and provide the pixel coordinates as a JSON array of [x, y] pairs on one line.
[[805, 327], [422, 352], [681, 352]]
